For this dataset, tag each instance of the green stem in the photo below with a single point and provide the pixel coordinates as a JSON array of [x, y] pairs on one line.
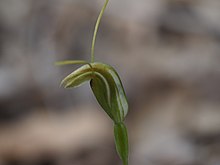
[[96, 30]]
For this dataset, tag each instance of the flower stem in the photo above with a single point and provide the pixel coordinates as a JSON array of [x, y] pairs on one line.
[[96, 30]]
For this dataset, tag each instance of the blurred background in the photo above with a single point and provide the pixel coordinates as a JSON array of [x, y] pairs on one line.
[[167, 53]]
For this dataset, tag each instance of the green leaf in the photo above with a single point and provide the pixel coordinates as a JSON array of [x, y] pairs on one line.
[[121, 141]]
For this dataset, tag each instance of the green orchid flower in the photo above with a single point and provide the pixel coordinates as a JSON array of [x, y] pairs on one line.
[[108, 90]]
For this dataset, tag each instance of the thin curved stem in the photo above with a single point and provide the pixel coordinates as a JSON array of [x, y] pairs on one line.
[[96, 30]]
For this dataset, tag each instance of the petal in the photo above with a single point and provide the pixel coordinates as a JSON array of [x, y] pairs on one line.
[[78, 77]]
